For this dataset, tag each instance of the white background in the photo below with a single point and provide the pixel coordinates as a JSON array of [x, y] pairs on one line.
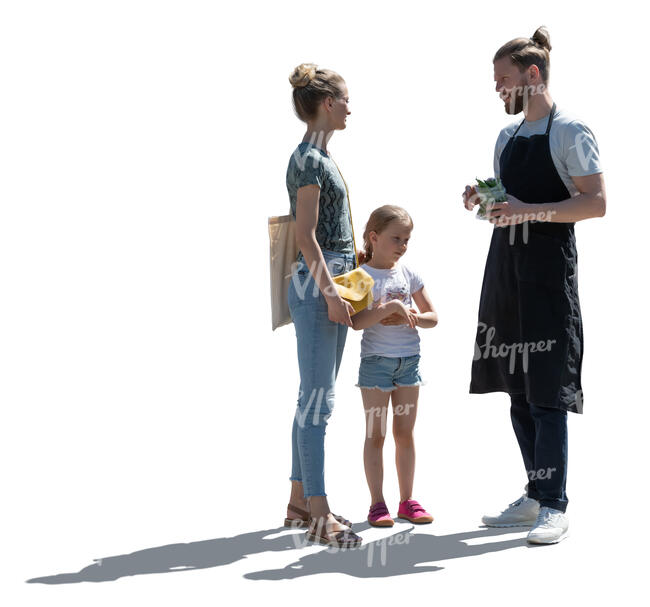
[[147, 405]]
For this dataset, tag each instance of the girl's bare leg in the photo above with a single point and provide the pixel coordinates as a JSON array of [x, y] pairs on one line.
[[375, 404], [405, 405]]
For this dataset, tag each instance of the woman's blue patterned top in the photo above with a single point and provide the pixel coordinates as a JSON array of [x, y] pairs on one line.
[[311, 165]]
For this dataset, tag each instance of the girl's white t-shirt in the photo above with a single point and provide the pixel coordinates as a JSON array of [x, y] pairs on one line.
[[392, 340]]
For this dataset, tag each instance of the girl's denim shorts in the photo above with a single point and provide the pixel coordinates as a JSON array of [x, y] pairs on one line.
[[388, 374]]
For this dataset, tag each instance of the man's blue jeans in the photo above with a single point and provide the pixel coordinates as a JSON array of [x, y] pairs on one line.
[[543, 440], [320, 349]]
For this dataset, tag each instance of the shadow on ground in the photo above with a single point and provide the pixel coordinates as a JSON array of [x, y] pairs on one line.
[[402, 553], [398, 554]]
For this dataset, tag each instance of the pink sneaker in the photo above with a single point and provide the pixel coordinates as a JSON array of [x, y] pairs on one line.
[[412, 511], [379, 516]]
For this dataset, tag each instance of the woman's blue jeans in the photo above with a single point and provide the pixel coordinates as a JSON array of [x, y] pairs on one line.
[[320, 349]]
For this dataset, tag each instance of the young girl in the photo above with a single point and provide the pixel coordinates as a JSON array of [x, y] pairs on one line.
[[390, 356]]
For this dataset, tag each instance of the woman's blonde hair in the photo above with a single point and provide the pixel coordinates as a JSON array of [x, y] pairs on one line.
[[378, 222], [524, 52], [310, 86]]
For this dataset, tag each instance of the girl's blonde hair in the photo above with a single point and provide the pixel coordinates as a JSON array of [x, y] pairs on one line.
[[524, 52], [310, 86], [378, 222]]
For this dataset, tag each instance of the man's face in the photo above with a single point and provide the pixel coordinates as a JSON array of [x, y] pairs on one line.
[[511, 84]]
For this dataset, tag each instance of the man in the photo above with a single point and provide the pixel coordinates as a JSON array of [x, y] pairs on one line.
[[529, 340]]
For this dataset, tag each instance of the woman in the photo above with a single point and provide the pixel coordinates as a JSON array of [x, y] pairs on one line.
[[321, 318]]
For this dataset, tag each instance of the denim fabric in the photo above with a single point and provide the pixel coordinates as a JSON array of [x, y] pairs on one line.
[[543, 440], [320, 344], [388, 373]]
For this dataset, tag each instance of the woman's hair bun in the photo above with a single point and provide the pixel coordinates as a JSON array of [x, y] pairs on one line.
[[303, 75], [542, 38]]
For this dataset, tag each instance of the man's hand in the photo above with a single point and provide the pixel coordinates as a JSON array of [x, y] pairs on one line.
[[510, 212], [471, 197]]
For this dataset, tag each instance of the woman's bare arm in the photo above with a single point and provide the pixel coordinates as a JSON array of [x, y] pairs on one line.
[[307, 201]]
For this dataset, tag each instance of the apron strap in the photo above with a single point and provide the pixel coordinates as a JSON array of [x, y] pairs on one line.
[[522, 122], [548, 126], [550, 119]]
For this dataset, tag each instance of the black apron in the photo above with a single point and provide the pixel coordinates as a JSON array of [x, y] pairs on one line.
[[529, 337]]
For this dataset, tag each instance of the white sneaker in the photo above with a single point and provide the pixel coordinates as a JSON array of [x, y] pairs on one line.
[[551, 526], [521, 513]]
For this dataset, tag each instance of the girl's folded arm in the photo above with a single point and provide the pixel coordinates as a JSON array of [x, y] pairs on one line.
[[427, 317], [368, 317]]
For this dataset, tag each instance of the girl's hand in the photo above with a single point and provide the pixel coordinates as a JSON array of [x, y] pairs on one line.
[[406, 315], [339, 310], [397, 319]]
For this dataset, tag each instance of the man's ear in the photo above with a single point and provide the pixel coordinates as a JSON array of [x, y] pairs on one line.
[[533, 73]]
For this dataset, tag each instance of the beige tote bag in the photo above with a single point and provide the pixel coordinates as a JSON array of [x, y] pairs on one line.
[[282, 236]]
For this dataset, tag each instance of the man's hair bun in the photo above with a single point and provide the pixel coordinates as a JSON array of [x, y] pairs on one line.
[[542, 38]]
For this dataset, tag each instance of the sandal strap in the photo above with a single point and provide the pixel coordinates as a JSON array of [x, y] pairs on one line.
[[347, 536], [300, 511], [343, 537], [338, 517]]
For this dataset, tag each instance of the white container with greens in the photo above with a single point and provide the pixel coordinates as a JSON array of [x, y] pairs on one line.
[[491, 190]]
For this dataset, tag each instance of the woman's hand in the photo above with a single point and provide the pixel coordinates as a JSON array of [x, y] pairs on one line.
[[400, 314], [339, 310]]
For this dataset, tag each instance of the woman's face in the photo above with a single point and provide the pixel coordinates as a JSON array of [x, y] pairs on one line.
[[340, 109]]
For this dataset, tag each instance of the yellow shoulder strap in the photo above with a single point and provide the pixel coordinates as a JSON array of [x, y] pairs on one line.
[[356, 257]]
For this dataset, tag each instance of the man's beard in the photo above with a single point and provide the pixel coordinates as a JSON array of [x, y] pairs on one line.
[[518, 98]]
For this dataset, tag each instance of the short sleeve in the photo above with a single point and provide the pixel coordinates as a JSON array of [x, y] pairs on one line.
[[497, 154], [502, 139], [580, 150], [307, 170], [415, 280]]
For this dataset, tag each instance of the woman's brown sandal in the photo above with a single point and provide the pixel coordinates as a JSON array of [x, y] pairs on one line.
[[302, 522], [346, 538]]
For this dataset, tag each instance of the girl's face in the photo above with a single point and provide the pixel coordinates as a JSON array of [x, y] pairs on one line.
[[391, 243]]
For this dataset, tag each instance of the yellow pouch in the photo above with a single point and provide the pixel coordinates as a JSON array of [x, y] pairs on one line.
[[356, 287]]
